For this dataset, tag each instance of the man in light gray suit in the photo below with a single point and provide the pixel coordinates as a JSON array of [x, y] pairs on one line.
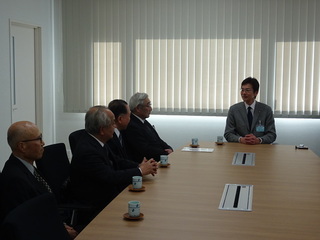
[[250, 122]]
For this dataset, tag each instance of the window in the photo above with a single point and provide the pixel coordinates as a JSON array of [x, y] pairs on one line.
[[190, 56]]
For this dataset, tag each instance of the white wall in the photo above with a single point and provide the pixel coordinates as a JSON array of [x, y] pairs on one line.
[[38, 13]]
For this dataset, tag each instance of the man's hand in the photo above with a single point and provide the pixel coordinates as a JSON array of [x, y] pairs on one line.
[[169, 150], [250, 139], [72, 233], [149, 166]]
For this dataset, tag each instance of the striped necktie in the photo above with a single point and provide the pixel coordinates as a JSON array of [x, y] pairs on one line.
[[41, 180]]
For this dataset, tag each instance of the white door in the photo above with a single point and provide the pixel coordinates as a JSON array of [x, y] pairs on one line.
[[25, 79]]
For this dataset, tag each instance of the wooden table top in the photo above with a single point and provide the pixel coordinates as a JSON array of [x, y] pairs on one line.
[[182, 201]]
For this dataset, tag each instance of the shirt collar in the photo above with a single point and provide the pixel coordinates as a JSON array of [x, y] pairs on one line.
[[29, 166], [253, 105], [138, 118], [117, 132], [101, 143]]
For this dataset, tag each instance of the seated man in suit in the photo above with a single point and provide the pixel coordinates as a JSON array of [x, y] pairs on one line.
[[20, 181], [250, 122], [141, 139], [121, 113], [96, 176]]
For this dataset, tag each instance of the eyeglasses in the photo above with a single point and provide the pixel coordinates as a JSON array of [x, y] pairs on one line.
[[35, 139], [147, 105], [246, 89]]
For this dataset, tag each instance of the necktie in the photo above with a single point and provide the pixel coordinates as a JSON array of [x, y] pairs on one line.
[[249, 115], [120, 138], [41, 180]]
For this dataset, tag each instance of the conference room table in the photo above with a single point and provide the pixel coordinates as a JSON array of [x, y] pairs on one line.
[[182, 201]]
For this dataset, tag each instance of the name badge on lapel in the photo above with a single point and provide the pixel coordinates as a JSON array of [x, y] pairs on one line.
[[260, 127]]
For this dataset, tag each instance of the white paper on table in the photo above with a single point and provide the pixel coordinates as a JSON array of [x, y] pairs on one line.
[[190, 149]]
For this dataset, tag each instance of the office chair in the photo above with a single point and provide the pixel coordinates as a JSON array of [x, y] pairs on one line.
[[0, 184], [35, 219], [74, 138], [55, 168]]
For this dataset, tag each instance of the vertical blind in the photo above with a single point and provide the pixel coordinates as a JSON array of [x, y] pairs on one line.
[[190, 56], [297, 58]]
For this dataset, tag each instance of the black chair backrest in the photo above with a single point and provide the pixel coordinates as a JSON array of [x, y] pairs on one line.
[[0, 184], [35, 219], [74, 138], [55, 168]]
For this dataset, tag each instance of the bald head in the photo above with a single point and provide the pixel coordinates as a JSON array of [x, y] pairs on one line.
[[25, 140], [20, 131]]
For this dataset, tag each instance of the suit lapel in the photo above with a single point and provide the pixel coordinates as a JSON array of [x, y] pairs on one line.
[[103, 150], [121, 147], [243, 113], [152, 132], [256, 114], [28, 175]]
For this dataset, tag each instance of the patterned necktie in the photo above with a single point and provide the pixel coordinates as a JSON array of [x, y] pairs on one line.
[[41, 180], [250, 117]]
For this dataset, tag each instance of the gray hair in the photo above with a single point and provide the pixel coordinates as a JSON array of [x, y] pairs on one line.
[[137, 99], [96, 117]]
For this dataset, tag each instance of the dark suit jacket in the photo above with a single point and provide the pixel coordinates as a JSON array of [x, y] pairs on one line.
[[96, 176], [142, 140], [116, 147], [238, 126], [17, 186]]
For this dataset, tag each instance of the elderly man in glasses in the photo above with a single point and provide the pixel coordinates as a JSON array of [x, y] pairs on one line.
[[19, 179], [141, 139], [250, 121]]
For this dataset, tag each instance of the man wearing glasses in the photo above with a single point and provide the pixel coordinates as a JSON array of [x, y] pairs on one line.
[[141, 139], [20, 181], [250, 121]]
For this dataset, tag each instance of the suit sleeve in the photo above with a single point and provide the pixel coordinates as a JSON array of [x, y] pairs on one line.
[[139, 141], [230, 133], [120, 162], [101, 170]]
